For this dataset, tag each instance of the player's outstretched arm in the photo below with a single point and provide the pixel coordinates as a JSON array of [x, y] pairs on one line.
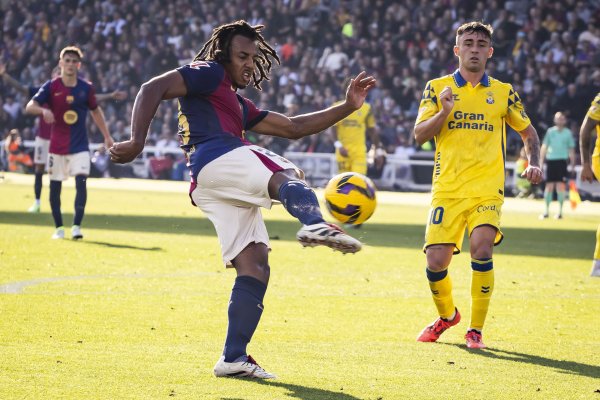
[[167, 86], [585, 134], [114, 95], [12, 81], [297, 127], [532, 173]]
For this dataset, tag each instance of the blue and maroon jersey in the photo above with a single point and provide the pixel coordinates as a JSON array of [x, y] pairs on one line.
[[213, 118], [70, 106], [44, 128]]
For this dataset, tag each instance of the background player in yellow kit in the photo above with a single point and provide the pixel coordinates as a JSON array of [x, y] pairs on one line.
[[591, 167], [466, 113], [350, 143]]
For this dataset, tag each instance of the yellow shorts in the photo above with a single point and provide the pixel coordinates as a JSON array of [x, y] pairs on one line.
[[448, 219], [352, 163]]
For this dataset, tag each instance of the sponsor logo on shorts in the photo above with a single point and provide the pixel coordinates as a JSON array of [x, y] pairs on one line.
[[486, 208]]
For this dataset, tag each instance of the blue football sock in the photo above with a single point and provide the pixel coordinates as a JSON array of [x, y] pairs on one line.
[[55, 189], [245, 310], [37, 186], [301, 201], [80, 198]]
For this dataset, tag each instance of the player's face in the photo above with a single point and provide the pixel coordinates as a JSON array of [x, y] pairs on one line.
[[473, 50], [243, 53], [69, 64]]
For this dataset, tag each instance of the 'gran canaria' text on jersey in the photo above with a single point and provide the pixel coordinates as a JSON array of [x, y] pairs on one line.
[[474, 121]]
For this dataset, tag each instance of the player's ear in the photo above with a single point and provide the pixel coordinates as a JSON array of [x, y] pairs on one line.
[[490, 52], [456, 50]]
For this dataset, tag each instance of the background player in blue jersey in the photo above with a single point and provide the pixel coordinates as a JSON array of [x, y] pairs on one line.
[[42, 136], [68, 99], [231, 178]]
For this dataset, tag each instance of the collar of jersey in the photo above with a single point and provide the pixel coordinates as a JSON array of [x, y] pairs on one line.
[[460, 81]]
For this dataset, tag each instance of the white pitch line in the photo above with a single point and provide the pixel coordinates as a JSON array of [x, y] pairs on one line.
[[19, 287]]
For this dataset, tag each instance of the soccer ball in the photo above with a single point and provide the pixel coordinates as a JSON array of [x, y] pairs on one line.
[[350, 198]]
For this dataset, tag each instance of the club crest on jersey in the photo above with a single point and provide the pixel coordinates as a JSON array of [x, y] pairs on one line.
[[70, 99], [70, 117], [490, 98]]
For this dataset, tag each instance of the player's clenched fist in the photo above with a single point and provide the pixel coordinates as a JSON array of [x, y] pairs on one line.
[[447, 99]]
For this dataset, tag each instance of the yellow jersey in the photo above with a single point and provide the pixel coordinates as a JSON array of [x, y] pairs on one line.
[[351, 131], [594, 113], [471, 146]]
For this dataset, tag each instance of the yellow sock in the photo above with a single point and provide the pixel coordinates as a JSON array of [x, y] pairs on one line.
[[441, 291], [482, 286], [597, 250]]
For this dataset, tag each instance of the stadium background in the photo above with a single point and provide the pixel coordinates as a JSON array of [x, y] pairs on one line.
[[550, 51]]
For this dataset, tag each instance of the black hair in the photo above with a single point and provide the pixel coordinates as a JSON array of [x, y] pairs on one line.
[[475, 27], [218, 48]]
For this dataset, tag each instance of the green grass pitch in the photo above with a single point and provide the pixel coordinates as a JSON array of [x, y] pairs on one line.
[[137, 310]]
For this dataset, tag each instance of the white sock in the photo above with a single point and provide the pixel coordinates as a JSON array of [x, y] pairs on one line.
[[595, 268]]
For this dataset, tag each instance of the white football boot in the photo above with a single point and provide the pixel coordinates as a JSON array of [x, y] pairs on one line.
[[59, 233], [76, 232], [330, 235], [246, 367]]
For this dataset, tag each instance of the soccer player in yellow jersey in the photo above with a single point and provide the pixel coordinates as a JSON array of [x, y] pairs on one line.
[[350, 143], [465, 113], [591, 167]]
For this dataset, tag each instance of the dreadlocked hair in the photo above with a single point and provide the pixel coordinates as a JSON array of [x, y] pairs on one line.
[[218, 47]]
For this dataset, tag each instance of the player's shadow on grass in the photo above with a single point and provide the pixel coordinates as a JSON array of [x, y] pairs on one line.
[[567, 367], [569, 244], [303, 392]]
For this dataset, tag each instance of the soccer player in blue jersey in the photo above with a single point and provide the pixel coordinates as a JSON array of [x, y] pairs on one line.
[[465, 113], [68, 99], [231, 178], [42, 137]]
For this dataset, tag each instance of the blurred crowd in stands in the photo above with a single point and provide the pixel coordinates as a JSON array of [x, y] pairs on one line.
[[550, 51]]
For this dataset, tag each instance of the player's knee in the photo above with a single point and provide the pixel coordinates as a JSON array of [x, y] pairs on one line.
[[438, 257]]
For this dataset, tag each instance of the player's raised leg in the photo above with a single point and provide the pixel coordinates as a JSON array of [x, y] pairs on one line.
[[302, 203]]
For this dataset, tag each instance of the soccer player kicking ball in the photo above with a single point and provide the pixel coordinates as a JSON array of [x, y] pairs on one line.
[[231, 178], [465, 112], [591, 167]]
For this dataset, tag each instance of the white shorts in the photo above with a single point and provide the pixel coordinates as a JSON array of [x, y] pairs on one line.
[[230, 190], [40, 151], [61, 166]]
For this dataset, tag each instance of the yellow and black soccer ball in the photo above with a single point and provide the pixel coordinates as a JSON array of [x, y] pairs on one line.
[[350, 198]]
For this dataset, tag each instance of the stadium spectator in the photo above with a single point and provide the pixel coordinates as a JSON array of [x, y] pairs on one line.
[[232, 179], [16, 156], [558, 148], [68, 98], [384, 30], [468, 183], [591, 165]]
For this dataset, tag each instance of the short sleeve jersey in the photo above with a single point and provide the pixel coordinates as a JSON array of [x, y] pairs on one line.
[[471, 145], [44, 129], [594, 113], [213, 117], [70, 106], [351, 130], [558, 142]]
